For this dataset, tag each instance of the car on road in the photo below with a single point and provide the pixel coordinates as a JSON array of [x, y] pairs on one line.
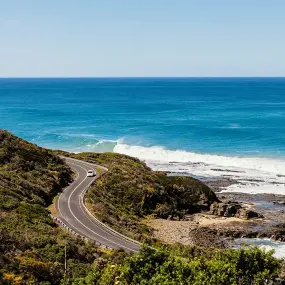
[[91, 173]]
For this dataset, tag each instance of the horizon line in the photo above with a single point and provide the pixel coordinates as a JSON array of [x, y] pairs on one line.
[[135, 77]]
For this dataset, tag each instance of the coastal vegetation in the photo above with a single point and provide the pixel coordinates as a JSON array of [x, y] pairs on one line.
[[189, 266], [32, 247], [130, 191], [34, 250]]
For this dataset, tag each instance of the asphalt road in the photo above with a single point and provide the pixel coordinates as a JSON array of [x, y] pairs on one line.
[[73, 213]]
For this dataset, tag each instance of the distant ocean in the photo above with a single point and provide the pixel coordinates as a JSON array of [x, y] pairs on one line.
[[206, 127]]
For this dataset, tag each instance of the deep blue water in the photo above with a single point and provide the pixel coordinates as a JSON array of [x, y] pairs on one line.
[[240, 116]]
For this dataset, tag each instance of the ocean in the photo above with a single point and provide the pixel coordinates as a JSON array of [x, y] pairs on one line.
[[205, 127]]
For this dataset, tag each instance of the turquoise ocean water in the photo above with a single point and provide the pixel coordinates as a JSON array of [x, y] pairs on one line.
[[210, 127]]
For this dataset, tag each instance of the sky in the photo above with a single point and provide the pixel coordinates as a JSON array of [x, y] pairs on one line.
[[122, 38]]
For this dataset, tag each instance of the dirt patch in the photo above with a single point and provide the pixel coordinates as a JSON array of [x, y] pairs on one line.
[[208, 230], [204, 229], [197, 229]]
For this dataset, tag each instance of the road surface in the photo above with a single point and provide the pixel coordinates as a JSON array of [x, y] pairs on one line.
[[74, 214]]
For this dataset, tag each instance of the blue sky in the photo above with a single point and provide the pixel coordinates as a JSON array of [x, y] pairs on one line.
[[142, 38]]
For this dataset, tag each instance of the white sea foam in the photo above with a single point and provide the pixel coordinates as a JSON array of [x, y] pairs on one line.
[[161, 154], [101, 146], [267, 244], [257, 188], [254, 174]]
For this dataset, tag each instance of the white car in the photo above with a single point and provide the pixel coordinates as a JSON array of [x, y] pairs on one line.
[[91, 173]]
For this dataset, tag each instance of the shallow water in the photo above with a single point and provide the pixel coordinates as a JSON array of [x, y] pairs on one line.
[[267, 244]]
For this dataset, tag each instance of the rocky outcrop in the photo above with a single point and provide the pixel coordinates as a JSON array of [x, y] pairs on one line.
[[233, 209], [225, 209], [247, 214], [281, 203]]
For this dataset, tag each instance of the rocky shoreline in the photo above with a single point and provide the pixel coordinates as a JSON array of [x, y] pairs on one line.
[[269, 221], [238, 215]]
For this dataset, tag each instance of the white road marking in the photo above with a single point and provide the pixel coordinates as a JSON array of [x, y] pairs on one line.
[[60, 196], [90, 214], [68, 203], [81, 209]]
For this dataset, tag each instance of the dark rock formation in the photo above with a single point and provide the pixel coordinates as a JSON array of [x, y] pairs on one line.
[[225, 209], [233, 209], [247, 214], [282, 203]]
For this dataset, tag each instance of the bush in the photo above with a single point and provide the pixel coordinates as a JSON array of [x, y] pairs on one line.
[[244, 266], [130, 191], [32, 248]]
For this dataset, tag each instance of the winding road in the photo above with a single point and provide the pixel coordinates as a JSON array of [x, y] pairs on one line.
[[73, 213]]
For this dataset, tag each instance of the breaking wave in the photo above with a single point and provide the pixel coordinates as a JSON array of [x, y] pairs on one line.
[[252, 174], [161, 154], [267, 244]]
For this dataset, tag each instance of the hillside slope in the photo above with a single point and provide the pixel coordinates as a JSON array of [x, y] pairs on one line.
[[31, 245], [33, 250], [34, 173], [130, 191]]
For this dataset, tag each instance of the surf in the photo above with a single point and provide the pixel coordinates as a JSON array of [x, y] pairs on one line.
[[253, 174]]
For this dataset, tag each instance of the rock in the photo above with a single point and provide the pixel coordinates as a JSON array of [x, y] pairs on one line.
[[247, 214], [225, 209], [282, 203], [279, 235], [233, 209], [281, 225]]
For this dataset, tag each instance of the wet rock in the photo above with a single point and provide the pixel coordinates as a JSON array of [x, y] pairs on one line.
[[207, 237], [218, 184], [251, 234]]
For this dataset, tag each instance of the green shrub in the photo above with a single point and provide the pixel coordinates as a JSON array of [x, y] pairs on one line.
[[130, 191], [32, 247]]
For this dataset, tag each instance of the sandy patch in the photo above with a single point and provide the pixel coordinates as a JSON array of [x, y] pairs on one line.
[[187, 231]]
